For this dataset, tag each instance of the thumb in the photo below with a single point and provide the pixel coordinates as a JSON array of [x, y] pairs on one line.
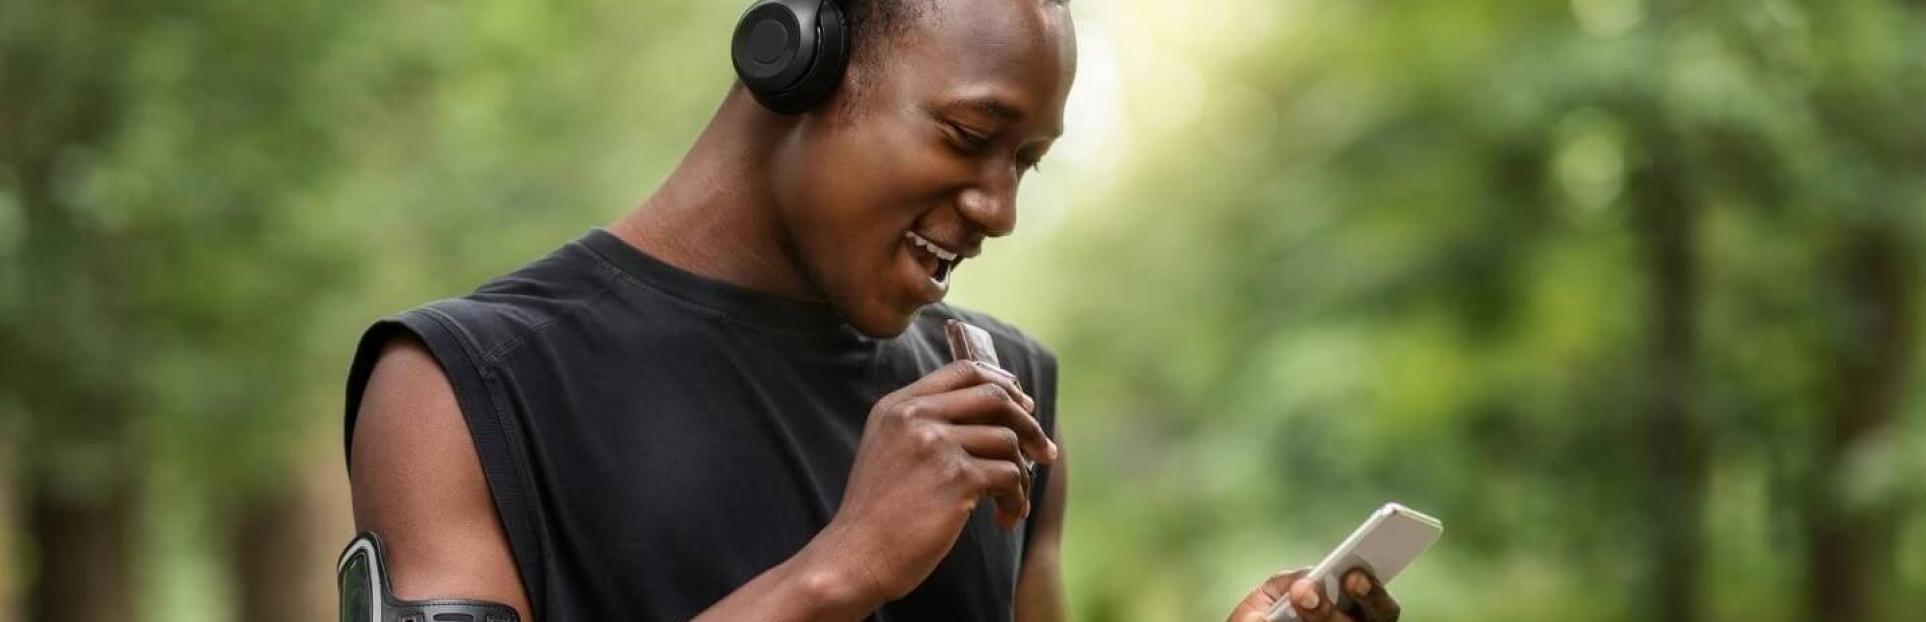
[[1272, 591]]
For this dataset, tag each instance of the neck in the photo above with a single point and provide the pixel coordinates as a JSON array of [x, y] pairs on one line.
[[716, 214]]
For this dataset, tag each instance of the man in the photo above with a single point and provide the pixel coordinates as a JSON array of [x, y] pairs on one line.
[[733, 403]]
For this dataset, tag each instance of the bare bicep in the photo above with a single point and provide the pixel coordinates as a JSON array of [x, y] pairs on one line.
[[418, 483]]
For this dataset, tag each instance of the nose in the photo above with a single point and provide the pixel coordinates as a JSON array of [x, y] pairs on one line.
[[990, 204]]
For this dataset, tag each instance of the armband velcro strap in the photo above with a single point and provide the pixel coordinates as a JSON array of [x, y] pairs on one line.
[[368, 595]]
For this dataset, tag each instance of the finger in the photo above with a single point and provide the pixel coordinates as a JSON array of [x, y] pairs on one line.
[[1002, 481], [1278, 586], [959, 374], [1256, 607], [1313, 605], [994, 442], [990, 404], [998, 407], [1371, 597], [1008, 382]]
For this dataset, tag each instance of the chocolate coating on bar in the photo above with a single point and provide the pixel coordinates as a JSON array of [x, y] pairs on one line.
[[970, 343]]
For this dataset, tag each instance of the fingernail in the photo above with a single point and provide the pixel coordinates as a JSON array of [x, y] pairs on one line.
[[1006, 373], [1358, 585], [1308, 599], [1053, 451]]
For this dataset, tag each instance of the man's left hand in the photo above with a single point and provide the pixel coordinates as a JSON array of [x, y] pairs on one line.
[[1370, 601]]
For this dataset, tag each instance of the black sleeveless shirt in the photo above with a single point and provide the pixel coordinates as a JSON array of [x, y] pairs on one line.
[[653, 439]]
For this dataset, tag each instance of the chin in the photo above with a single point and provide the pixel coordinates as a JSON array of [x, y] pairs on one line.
[[882, 323]]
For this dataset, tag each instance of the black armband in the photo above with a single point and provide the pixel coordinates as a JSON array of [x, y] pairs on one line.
[[367, 595]]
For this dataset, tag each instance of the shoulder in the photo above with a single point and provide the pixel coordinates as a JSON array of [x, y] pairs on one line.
[[460, 339], [515, 307], [408, 400]]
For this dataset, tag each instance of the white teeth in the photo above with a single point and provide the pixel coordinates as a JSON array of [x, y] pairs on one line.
[[938, 251]]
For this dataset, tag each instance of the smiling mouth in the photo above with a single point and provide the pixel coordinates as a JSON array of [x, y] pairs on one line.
[[944, 260]]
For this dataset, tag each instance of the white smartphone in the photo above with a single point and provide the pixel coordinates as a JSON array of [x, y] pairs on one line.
[[1387, 542]]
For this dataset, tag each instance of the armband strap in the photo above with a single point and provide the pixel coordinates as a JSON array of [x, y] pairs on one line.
[[368, 595]]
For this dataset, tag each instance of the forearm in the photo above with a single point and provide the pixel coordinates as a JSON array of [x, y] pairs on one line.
[[1040, 585], [1039, 595], [811, 586]]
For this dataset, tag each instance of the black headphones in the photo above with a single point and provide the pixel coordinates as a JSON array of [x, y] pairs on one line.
[[791, 53]]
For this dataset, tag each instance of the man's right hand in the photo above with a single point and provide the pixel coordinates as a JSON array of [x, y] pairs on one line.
[[930, 452]]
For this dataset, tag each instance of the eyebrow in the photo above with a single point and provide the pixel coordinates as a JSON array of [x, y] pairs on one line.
[[993, 107]]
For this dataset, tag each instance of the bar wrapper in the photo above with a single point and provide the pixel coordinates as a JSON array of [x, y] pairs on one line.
[[969, 343]]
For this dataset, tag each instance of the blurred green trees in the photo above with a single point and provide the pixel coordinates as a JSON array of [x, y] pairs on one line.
[[161, 267], [1627, 292]]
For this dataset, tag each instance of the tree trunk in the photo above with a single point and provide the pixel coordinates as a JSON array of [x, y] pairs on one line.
[[1674, 436], [1849, 542], [82, 563], [267, 548], [285, 541], [9, 523]]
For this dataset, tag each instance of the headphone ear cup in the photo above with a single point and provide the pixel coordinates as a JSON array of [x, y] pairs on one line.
[[791, 54]]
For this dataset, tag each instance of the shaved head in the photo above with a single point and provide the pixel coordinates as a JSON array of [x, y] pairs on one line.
[[873, 24], [880, 28]]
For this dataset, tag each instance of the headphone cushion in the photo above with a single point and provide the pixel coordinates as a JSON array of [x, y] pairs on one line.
[[787, 69]]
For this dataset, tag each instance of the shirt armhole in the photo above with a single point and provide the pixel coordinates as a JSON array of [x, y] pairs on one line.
[[489, 424]]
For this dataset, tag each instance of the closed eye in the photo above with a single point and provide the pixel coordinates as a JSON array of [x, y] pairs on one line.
[[968, 139], [1032, 158]]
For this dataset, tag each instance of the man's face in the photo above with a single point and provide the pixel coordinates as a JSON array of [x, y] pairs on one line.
[[915, 161]]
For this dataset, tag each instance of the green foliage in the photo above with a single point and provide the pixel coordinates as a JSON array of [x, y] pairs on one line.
[[1425, 280]]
